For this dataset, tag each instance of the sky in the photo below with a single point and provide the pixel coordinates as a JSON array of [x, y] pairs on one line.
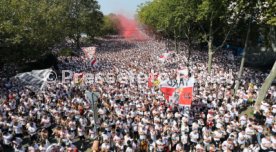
[[125, 7]]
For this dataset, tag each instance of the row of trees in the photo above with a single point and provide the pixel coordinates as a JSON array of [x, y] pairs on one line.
[[110, 25], [213, 22], [30, 28]]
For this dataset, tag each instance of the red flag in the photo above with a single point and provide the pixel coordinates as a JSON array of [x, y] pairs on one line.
[[186, 96], [168, 92], [150, 84], [94, 62]]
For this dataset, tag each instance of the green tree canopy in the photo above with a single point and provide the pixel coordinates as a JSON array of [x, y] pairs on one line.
[[29, 28]]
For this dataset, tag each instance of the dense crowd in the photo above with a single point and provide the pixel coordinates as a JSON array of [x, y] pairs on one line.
[[133, 117]]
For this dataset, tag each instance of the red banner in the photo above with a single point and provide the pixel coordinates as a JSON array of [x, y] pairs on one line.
[[186, 96], [168, 92]]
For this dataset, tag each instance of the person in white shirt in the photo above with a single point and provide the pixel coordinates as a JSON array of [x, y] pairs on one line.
[[207, 139], [273, 141], [227, 145], [243, 120], [269, 120], [242, 138], [179, 147], [266, 144], [255, 147], [32, 130], [199, 148], [105, 147], [160, 145], [7, 137], [19, 148], [81, 134], [46, 122], [129, 147], [250, 132], [273, 128], [259, 129], [194, 136], [17, 127], [217, 135]]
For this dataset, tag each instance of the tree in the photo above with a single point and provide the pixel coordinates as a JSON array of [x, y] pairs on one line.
[[253, 13], [82, 16], [243, 58], [190, 20], [218, 13], [110, 25], [267, 83], [246, 16], [267, 15], [30, 28], [172, 18]]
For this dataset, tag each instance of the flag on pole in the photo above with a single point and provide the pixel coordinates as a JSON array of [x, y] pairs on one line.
[[93, 62], [89, 52]]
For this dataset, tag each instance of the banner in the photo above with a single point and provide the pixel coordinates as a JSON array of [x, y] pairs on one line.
[[178, 92], [89, 52], [186, 96], [168, 93], [36, 79], [164, 56]]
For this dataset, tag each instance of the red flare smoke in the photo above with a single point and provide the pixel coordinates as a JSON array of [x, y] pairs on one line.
[[129, 28]]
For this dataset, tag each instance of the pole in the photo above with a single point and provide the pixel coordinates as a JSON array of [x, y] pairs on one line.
[[94, 112], [92, 99]]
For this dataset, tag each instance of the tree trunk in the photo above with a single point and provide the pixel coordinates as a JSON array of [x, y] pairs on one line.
[[272, 38], [243, 59], [78, 41], [267, 83], [167, 44], [175, 42], [189, 52], [210, 47]]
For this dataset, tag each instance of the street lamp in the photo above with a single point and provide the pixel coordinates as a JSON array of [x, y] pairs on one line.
[[92, 98]]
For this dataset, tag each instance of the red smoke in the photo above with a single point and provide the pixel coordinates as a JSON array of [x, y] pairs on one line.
[[128, 28]]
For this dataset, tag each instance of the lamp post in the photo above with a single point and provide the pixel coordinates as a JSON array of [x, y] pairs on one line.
[[92, 98]]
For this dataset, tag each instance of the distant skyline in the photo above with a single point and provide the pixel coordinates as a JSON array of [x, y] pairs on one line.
[[126, 7]]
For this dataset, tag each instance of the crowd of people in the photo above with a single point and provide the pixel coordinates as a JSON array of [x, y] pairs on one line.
[[133, 117]]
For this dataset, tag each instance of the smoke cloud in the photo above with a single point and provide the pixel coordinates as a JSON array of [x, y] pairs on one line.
[[129, 28]]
